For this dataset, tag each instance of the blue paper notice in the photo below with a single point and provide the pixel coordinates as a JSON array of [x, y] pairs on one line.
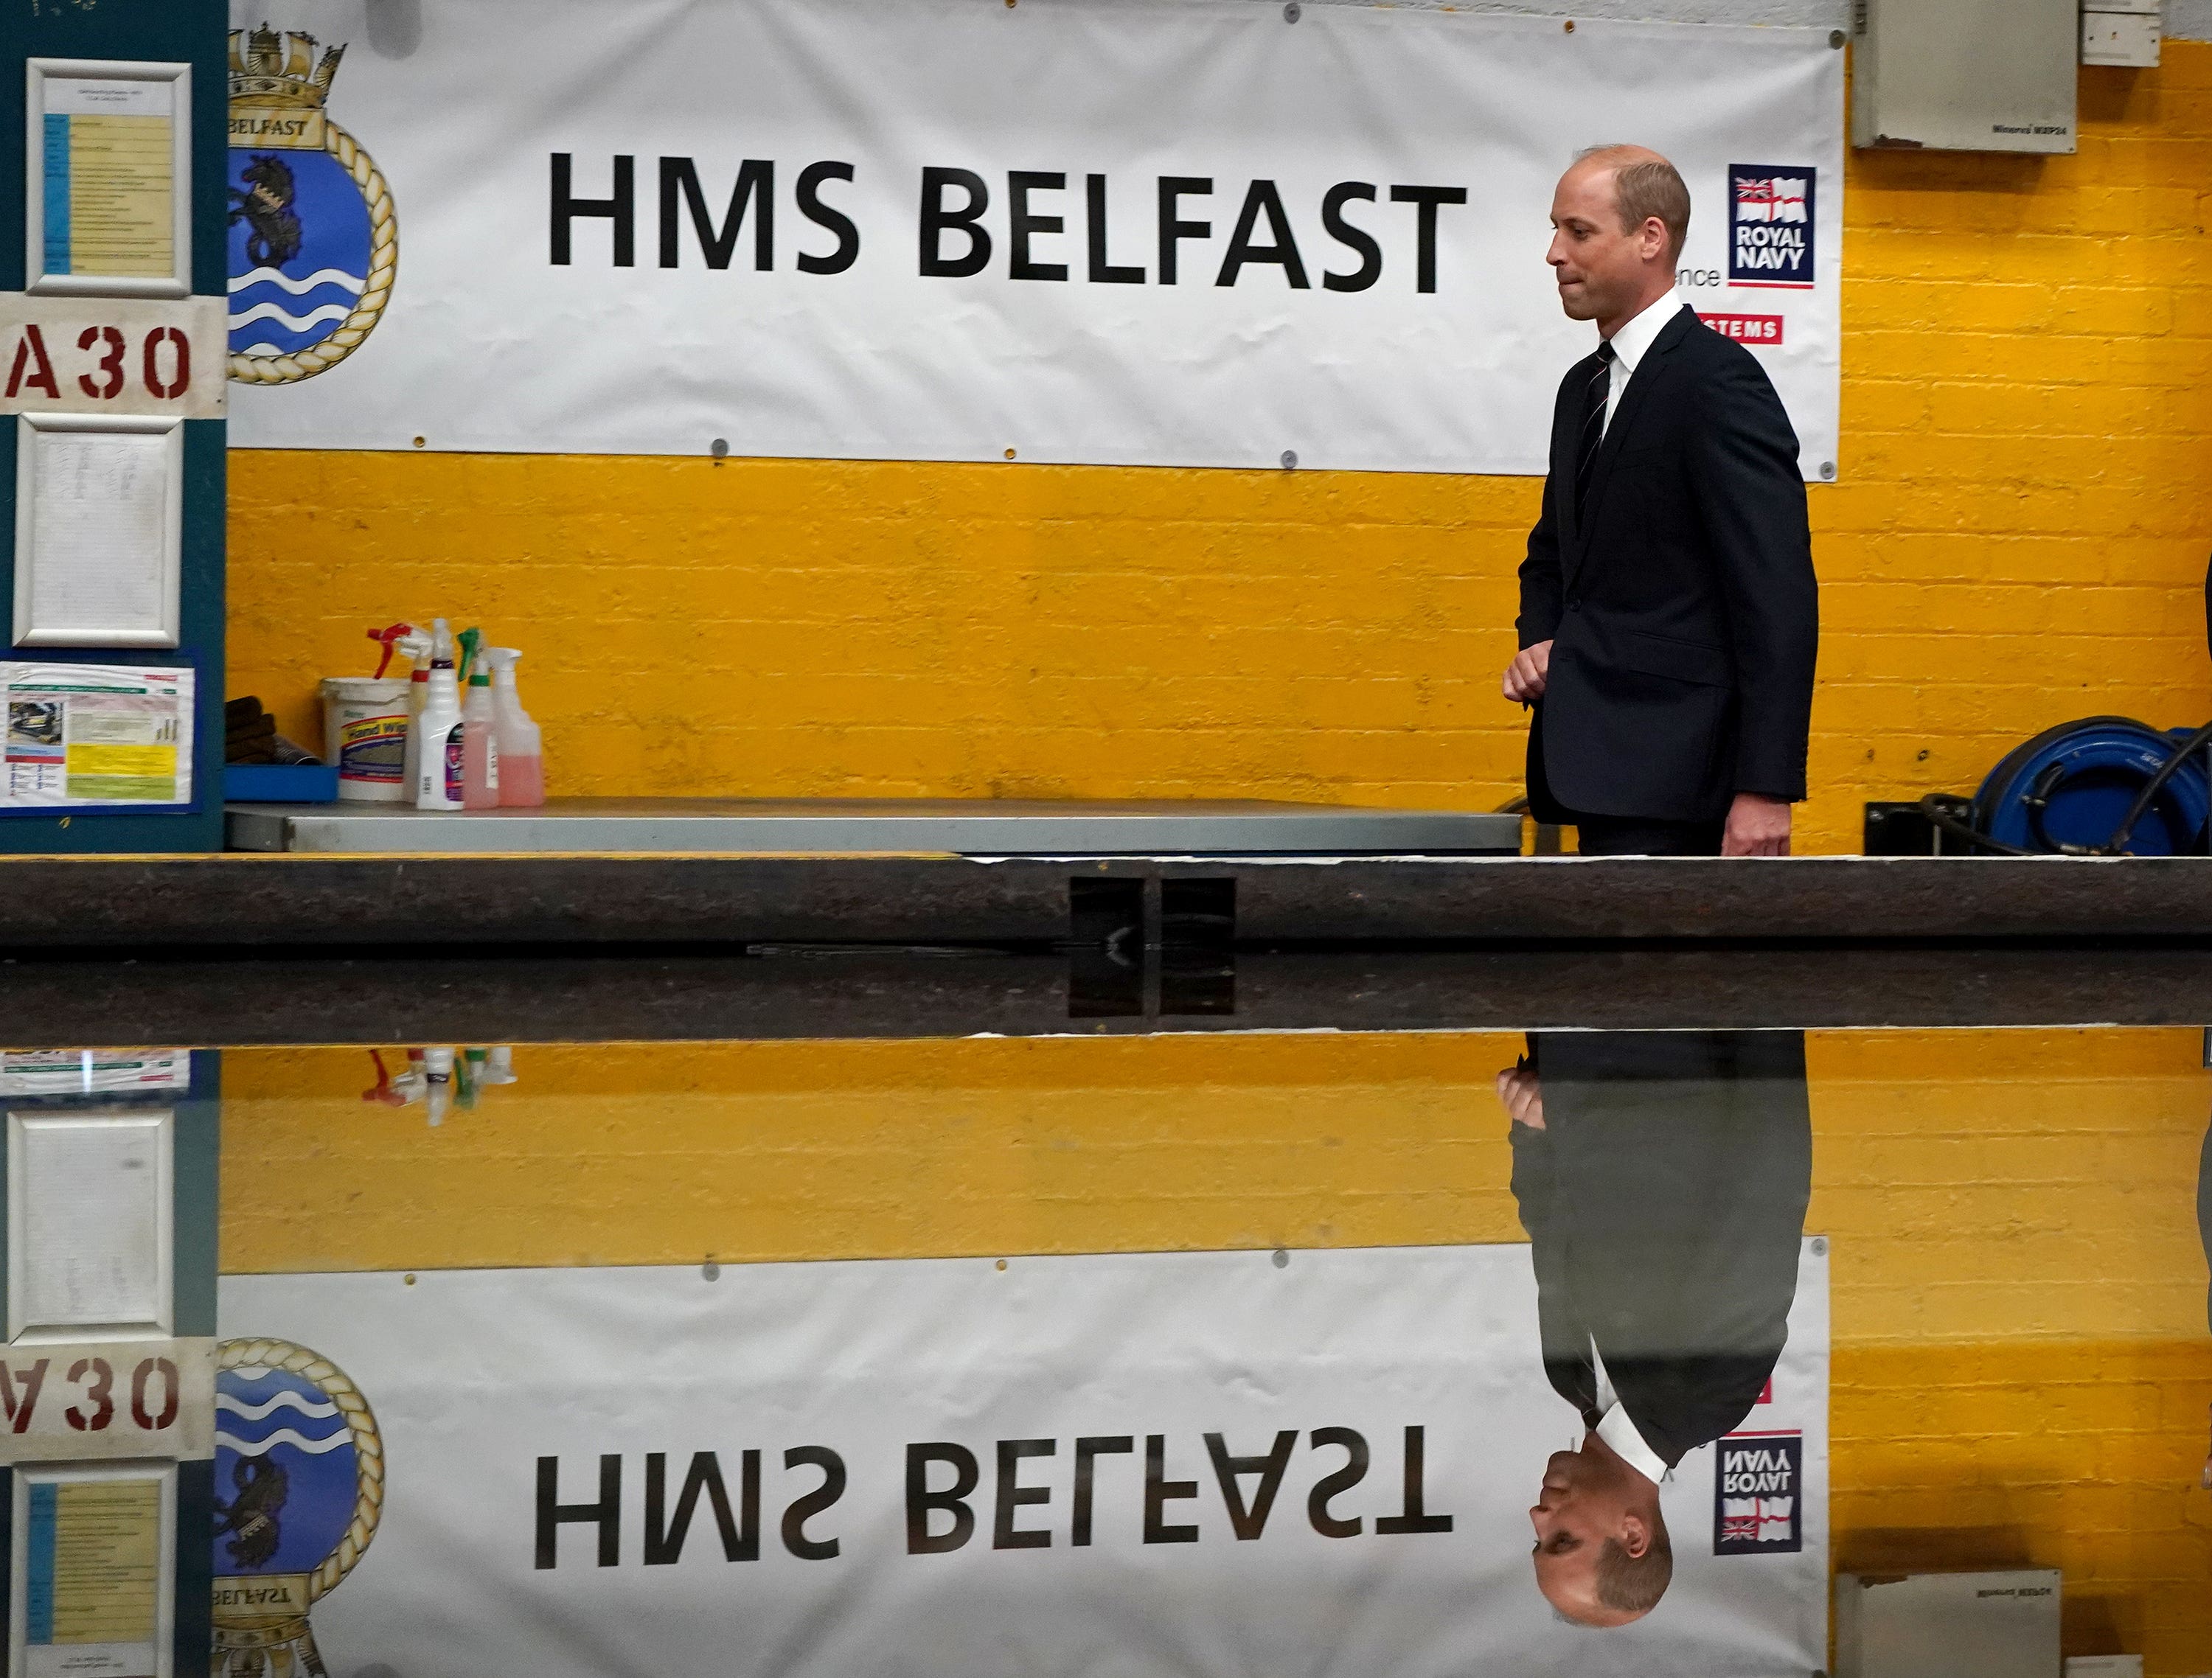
[[39, 1562], [56, 193]]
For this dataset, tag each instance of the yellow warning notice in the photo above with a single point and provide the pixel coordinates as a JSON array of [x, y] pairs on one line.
[[133, 772], [122, 207], [107, 1561], [160, 760]]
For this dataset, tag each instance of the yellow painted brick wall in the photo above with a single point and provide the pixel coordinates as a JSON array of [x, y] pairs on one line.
[[2019, 537], [2022, 1368]]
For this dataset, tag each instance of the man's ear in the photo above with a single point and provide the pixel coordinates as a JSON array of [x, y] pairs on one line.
[[1635, 1536]]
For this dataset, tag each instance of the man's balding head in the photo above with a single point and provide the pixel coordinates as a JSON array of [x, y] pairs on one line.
[[1645, 186], [1618, 217], [1602, 1555]]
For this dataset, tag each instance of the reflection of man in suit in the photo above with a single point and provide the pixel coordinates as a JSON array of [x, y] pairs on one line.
[[1662, 1176]]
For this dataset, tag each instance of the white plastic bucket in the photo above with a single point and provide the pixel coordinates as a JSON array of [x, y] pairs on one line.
[[365, 734]]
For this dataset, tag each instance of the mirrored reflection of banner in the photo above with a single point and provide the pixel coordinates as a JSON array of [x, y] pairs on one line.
[[1148, 232], [1208, 1463]]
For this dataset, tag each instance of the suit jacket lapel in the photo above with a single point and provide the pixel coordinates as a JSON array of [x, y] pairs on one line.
[[1624, 421], [1575, 1379]]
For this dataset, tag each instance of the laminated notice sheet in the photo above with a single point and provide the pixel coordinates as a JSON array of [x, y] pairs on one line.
[[84, 1072], [88, 1234], [99, 531], [110, 177], [96, 736], [91, 1596], [110, 188]]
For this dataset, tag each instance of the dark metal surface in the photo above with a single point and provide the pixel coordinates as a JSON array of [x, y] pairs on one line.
[[417, 902], [799, 993]]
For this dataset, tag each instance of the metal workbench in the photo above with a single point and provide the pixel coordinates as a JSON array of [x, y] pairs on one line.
[[964, 827]]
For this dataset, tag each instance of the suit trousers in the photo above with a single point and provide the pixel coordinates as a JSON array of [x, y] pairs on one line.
[[1635, 836]]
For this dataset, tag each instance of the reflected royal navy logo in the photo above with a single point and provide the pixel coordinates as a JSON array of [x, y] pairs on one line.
[[1758, 1495], [299, 1474], [314, 245]]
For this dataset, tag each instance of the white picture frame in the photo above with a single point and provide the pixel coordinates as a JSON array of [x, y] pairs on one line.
[[94, 566], [75, 82], [25, 1659], [91, 1241]]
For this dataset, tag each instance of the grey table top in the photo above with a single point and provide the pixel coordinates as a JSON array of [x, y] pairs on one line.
[[970, 827]]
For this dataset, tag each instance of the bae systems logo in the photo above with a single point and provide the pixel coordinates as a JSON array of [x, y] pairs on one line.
[[1770, 226], [1758, 1495]]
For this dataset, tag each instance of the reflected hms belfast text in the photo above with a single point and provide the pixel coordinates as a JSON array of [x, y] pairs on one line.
[[1774, 1306]]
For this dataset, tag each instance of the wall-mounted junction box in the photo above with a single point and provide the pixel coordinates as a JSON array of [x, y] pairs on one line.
[[1947, 1625], [2121, 32], [1965, 75]]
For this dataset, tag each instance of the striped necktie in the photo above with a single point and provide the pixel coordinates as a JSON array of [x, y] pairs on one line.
[[1595, 397]]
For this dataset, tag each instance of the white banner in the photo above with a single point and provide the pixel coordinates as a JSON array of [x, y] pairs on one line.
[[1140, 232], [653, 1471]]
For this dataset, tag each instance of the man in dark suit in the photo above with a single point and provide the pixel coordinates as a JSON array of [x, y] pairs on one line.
[[1662, 1178], [1669, 616]]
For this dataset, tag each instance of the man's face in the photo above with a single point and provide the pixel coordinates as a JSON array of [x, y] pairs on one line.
[[1601, 271], [1577, 1510]]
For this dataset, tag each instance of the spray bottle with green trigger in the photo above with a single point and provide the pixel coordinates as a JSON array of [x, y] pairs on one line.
[[479, 728]]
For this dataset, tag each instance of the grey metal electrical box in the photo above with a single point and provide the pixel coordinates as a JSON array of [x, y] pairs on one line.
[[1965, 75], [1947, 1625]]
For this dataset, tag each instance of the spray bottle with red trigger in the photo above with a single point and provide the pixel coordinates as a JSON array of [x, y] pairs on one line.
[[388, 1092], [387, 638], [415, 646]]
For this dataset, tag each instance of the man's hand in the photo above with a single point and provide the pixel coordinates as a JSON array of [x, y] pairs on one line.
[[1756, 826], [1524, 677], [1522, 1093]]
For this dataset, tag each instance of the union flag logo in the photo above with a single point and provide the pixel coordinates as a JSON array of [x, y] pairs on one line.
[[1772, 227], [1758, 1494]]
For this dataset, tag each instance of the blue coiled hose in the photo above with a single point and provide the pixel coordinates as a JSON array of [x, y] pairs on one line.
[[2098, 786]]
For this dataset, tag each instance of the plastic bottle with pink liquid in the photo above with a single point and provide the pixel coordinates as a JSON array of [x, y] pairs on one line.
[[521, 747], [481, 767]]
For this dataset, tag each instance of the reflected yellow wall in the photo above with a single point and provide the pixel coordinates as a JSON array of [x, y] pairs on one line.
[[2022, 1363], [2017, 538], [749, 1151], [2022, 1369]]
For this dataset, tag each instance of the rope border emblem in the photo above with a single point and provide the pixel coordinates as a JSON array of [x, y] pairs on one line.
[[383, 269], [360, 1423]]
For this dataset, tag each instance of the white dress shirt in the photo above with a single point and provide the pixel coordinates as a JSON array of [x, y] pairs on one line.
[[1633, 341], [1616, 1426]]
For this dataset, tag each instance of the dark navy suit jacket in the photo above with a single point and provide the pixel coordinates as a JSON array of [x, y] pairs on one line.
[[1683, 613]]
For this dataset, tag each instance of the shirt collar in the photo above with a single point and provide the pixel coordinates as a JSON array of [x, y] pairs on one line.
[[1617, 1429], [1616, 1426], [1635, 339]]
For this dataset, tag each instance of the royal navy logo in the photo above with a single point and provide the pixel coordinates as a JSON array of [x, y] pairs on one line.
[[1770, 225], [299, 1472], [1758, 1495], [314, 244]]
